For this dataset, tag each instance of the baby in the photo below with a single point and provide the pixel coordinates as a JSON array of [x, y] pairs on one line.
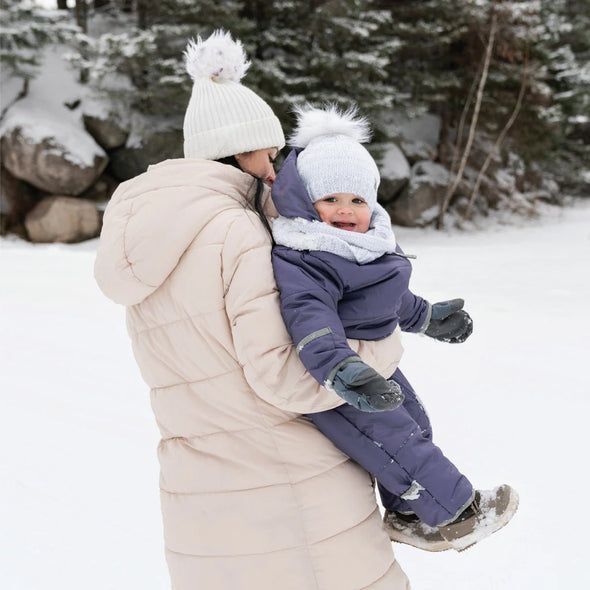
[[342, 275]]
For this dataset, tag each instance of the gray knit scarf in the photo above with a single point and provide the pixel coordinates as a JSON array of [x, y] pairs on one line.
[[302, 234]]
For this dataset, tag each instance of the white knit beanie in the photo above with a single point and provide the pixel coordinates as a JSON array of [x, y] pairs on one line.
[[224, 118], [334, 161]]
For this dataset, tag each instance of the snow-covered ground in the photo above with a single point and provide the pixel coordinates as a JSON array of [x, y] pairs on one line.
[[78, 472]]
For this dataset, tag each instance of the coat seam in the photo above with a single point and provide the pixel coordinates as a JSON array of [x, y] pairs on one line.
[[305, 546], [176, 321], [209, 378], [272, 485], [381, 577]]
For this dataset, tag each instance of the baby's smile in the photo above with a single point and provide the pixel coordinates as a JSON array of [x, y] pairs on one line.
[[348, 226]]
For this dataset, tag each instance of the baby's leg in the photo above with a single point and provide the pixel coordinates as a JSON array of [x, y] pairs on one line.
[[416, 410], [392, 447]]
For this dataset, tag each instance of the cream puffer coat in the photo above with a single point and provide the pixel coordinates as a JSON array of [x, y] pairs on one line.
[[253, 496]]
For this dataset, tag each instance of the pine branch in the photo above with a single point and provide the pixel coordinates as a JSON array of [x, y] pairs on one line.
[[453, 184], [501, 136]]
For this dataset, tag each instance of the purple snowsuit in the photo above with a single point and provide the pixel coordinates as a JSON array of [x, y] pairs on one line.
[[326, 299]]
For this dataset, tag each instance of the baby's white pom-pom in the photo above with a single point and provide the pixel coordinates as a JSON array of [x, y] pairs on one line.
[[218, 57], [313, 122]]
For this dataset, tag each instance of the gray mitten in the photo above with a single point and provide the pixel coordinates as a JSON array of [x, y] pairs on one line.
[[449, 322], [362, 387]]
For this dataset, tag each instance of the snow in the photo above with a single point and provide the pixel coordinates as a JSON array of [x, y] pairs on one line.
[[79, 477]]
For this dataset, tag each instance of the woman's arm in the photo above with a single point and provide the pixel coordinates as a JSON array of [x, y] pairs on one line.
[[263, 346]]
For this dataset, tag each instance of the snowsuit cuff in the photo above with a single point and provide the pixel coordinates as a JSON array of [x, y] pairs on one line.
[[426, 321]]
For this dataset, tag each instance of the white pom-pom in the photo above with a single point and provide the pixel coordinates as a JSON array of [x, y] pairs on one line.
[[218, 57], [313, 122]]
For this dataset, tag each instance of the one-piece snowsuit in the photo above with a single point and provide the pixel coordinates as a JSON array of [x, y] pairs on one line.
[[326, 299]]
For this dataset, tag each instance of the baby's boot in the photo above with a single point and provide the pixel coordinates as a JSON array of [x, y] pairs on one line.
[[488, 513], [409, 529]]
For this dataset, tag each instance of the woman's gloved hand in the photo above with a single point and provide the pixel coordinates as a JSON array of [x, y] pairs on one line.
[[449, 322], [362, 387]]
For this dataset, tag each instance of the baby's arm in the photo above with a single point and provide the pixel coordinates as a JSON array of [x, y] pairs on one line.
[[309, 295]]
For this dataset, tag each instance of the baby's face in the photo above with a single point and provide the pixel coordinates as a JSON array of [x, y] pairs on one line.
[[344, 211]]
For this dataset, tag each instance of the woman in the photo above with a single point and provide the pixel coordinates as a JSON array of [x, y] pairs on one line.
[[253, 495]]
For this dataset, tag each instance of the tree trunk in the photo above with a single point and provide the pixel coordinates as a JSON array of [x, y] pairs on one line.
[[101, 3], [82, 15], [62, 4], [127, 6], [142, 14]]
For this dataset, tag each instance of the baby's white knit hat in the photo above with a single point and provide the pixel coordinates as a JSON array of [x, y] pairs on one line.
[[333, 159], [224, 118]]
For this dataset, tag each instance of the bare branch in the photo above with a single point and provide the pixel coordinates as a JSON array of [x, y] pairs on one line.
[[501, 136], [461, 128], [454, 183]]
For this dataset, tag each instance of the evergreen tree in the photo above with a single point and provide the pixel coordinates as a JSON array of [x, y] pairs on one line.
[[25, 30], [330, 51], [143, 67]]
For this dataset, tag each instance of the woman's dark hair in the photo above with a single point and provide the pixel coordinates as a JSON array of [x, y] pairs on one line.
[[257, 208]]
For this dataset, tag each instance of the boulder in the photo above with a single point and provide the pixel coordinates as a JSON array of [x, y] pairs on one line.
[[34, 153], [101, 190], [63, 219], [154, 146], [107, 131], [17, 198], [419, 203], [394, 170]]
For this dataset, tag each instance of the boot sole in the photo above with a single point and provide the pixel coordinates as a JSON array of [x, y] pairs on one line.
[[434, 546], [471, 539]]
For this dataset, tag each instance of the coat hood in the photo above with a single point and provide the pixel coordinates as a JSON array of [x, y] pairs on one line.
[[153, 218], [289, 194]]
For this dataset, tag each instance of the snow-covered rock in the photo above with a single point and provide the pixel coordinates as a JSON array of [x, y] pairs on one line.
[[417, 136], [63, 219], [53, 155], [107, 127], [418, 150], [43, 138], [106, 131], [419, 204], [394, 170]]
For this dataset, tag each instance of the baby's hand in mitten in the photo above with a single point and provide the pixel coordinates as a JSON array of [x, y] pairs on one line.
[[449, 322], [362, 387]]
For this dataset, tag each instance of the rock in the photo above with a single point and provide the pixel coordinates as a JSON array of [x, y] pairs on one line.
[[394, 170], [43, 160], [107, 131], [155, 146], [17, 198], [419, 203], [63, 219], [101, 190], [418, 150]]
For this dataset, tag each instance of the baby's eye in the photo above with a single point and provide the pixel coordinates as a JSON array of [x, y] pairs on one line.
[[330, 199], [358, 201]]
